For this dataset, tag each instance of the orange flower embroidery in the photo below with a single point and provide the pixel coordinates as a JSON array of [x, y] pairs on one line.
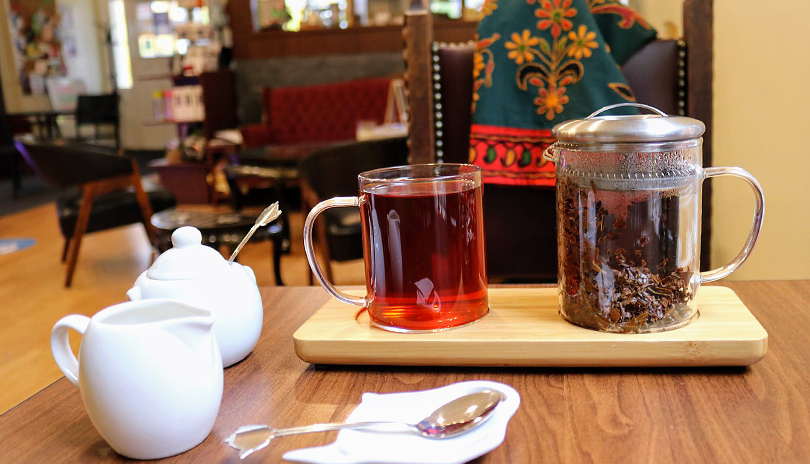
[[489, 6], [555, 16], [551, 101], [520, 47], [478, 65], [582, 42], [482, 64]]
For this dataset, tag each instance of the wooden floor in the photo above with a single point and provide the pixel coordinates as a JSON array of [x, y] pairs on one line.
[[33, 298]]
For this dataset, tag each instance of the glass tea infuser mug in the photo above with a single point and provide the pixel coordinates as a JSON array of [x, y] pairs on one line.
[[629, 220], [423, 246]]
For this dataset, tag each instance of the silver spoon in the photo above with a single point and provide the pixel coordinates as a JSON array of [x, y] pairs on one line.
[[268, 215], [449, 420]]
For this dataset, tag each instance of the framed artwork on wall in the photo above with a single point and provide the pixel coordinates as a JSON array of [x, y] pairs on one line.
[[36, 42]]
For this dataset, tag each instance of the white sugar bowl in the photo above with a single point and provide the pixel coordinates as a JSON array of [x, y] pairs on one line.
[[198, 275]]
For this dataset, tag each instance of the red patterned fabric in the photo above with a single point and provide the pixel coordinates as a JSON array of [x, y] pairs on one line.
[[317, 113], [518, 152]]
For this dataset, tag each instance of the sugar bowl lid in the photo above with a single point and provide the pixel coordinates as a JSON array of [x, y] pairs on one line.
[[657, 127], [188, 258]]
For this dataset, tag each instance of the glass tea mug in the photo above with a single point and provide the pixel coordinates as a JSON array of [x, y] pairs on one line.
[[423, 246], [629, 220]]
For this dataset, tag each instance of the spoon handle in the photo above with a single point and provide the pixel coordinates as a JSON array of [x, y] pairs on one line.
[[312, 428], [329, 427], [250, 438], [242, 243], [271, 213]]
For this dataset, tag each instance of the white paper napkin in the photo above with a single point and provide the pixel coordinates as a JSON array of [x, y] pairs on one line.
[[373, 445]]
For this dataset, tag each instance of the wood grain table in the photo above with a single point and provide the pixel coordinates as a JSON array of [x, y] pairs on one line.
[[718, 415]]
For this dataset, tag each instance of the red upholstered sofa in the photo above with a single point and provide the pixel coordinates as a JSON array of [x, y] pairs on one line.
[[317, 113]]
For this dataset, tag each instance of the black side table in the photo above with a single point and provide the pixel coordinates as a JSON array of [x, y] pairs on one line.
[[219, 229]]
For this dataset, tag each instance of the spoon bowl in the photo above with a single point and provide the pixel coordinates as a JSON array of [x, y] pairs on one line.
[[449, 420]]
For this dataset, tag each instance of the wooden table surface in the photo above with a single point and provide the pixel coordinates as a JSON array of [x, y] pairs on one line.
[[718, 415]]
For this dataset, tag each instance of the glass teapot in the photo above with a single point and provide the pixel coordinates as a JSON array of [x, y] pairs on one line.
[[629, 220]]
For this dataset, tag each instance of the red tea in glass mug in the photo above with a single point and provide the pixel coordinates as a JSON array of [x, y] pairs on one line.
[[423, 242]]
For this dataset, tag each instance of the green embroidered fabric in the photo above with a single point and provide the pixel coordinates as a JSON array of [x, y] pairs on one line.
[[541, 62]]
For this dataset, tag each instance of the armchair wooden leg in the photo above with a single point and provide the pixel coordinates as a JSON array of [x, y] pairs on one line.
[[278, 249], [81, 228], [327, 267], [65, 249], [143, 203]]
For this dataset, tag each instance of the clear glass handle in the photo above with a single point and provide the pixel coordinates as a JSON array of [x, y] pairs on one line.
[[309, 248], [759, 213], [549, 154]]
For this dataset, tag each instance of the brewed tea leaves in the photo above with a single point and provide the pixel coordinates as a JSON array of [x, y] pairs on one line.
[[616, 290]]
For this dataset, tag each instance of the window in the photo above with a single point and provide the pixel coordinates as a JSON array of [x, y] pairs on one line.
[[120, 44], [166, 28]]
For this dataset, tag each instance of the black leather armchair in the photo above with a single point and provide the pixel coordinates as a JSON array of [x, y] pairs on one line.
[[332, 172], [100, 190]]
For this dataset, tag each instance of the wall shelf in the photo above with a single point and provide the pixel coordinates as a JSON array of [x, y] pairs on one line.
[[169, 122], [252, 44]]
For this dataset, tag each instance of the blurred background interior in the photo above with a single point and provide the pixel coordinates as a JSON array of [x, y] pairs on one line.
[[215, 104]]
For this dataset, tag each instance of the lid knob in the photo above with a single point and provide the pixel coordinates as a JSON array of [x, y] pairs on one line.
[[188, 259], [186, 236]]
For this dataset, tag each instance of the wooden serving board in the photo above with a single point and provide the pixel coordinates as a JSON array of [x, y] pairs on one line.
[[523, 328]]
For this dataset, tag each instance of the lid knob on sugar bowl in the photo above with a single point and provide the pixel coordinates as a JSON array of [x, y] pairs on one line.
[[188, 258]]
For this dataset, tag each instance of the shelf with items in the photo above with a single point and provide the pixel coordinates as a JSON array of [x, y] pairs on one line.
[[178, 105], [190, 172], [208, 99], [177, 79], [167, 122], [308, 15], [154, 77], [165, 28], [250, 43]]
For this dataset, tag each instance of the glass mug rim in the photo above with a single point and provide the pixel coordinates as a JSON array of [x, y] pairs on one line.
[[386, 305], [421, 172], [614, 148]]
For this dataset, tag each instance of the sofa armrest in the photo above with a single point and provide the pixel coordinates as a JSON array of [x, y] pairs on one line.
[[256, 135]]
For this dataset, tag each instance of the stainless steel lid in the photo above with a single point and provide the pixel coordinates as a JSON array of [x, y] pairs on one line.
[[631, 128]]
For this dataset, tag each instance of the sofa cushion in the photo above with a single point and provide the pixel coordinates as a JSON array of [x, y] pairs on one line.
[[256, 135], [327, 112]]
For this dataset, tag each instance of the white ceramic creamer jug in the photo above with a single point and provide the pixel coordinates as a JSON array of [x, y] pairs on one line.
[[150, 374], [198, 275]]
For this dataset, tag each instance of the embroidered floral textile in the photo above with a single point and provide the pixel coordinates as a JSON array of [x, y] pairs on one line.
[[541, 62]]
